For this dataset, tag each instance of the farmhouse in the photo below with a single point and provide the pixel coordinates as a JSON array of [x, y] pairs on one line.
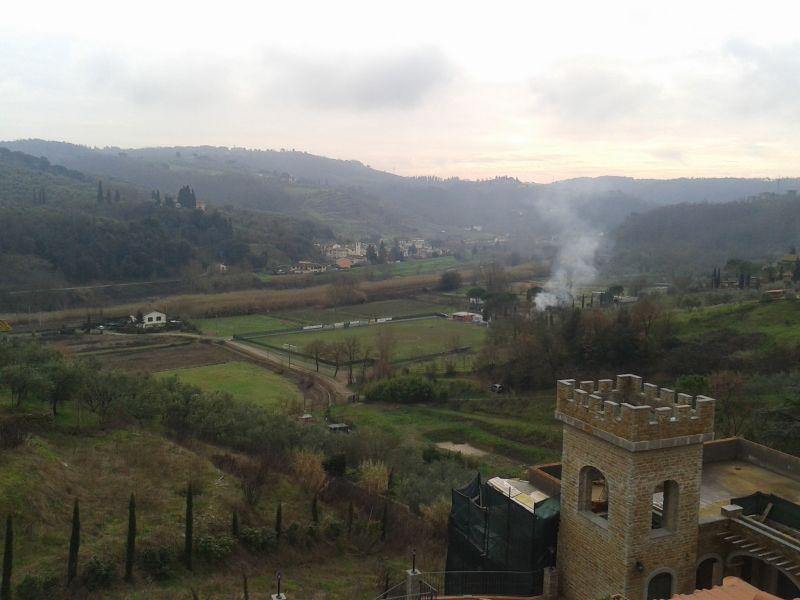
[[154, 319], [645, 505]]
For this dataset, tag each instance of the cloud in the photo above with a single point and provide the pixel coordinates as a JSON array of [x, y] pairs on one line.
[[389, 81], [586, 94]]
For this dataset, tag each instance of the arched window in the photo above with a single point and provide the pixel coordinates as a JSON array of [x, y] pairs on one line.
[[593, 492], [660, 586], [665, 507], [706, 576]]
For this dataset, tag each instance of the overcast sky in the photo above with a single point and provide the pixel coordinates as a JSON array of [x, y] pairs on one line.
[[538, 90]]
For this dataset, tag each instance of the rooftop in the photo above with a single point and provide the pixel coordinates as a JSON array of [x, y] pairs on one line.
[[520, 491], [732, 588]]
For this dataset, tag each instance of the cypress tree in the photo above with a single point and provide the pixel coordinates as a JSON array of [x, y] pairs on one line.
[[235, 525], [100, 195], [390, 482], [130, 547], [314, 511], [116, 196], [350, 514], [279, 521], [187, 551], [385, 521], [244, 585], [74, 543], [108, 196], [8, 560]]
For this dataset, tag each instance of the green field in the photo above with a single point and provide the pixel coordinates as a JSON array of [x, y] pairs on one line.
[[517, 432], [779, 321], [424, 266], [414, 338], [372, 310], [246, 382], [230, 326]]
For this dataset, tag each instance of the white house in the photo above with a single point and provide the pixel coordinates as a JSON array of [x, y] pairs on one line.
[[154, 319]]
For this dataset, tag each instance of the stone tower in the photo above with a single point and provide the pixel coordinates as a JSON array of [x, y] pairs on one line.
[[630, 488]]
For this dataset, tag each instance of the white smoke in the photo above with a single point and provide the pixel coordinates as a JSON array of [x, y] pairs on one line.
[[574, 263]]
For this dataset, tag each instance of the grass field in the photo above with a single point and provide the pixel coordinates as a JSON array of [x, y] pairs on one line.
[[779, 321], [517, 432], [230, 326], [414, 338], [246, 382], [371, 310]]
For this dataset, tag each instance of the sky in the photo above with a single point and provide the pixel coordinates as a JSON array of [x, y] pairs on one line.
[[536, 90]]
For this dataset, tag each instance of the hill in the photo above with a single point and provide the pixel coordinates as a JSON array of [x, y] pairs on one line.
[[356, 200], [56, 231], [694, 238]]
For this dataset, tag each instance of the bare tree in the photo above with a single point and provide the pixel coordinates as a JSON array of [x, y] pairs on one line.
[[385, 344], [351, 349], [734, 406], [316, 348]]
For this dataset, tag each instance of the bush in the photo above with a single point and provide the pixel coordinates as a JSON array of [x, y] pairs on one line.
[[336, 465], [449, 281], [307, 465], [334, 529], [156, 563], [408, 389], [214, 548], [37, 587], [293, 534], [258, 539], [99, 573]]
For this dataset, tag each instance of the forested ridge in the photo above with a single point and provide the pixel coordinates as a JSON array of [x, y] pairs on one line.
[[697, 237], [60, 226]]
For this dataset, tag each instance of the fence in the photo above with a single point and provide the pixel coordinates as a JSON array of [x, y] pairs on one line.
[[430, 586]]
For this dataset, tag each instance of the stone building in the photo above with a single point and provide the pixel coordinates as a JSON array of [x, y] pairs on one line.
[[651, 506]]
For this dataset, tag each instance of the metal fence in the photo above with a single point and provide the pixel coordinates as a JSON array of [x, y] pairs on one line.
[[458, 583]]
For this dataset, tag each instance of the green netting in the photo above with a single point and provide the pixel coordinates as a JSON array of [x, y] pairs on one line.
[[489, 531], [782, 511]]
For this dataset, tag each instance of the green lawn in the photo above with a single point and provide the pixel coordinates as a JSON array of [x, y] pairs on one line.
[[424, 266], [413, 338], [244, 381], [778, 320], [230, 326]]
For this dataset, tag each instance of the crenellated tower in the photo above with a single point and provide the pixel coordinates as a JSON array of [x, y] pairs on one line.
[[630, 487]]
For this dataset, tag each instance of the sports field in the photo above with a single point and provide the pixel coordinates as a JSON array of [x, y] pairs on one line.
[[229, 326], [244, 381], [418, 337]]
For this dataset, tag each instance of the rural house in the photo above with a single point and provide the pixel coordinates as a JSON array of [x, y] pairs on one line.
[[154, 319]]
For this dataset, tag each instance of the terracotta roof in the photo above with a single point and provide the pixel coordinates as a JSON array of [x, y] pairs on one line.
[[732, 588]]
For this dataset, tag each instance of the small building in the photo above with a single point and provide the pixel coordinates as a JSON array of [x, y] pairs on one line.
[[467, 317], [343, 263], [154, 319], [339, 428], [306, 418]]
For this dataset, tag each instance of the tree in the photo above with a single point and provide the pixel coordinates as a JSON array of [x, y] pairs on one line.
[[116, 196], [372, 254], [104, 390], [245, 591], [235, 525], [24, 382], [279, 521], [66, 379], [74, 543], [383, 253], [449, 281], [315, 510], [335, 351], [100, 195], [189, 526], [130, 546], [8, 561], [495, 279], [385, 521], [385, 344], [734, 406], [351, 348], [316, 348], [350, 516], [108, 196]]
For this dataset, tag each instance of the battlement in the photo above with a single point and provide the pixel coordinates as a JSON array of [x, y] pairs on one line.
[[634, 414]]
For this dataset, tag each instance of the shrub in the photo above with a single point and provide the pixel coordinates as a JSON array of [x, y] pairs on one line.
[[99, 573], [37, 587], [373, 476], [437, 514], [293, 534], [156, 563], [333, 529], [258, 539], [408, 389], [307, 465], [214, 548], [449, 281], [336, 465]]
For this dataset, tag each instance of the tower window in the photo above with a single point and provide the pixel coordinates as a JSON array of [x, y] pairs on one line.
[[665, 507], [593, 492]]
